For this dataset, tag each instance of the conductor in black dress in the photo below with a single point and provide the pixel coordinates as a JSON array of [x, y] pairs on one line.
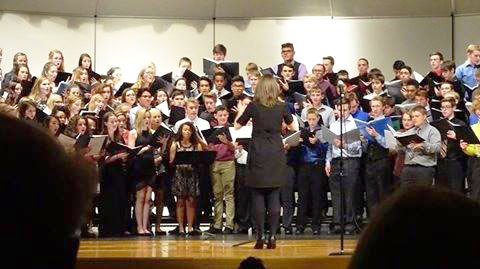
[[266, 163]]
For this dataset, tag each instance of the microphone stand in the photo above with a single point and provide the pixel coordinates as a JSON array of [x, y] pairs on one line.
[[342, 251]]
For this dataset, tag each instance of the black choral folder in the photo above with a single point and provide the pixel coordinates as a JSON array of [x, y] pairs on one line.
[[194, 157]]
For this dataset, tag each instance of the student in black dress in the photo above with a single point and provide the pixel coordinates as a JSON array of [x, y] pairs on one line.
[[266, 163], [161, 176], [113, 184], [143, 171], [186, 178]]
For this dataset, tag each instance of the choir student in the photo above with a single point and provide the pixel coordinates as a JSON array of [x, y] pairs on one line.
[[377, 165], [186, 179], [287, 53], [113, 183], [452, 162], [312, 180], [223, 173], [143, 171], [420, 157], [350, 156]]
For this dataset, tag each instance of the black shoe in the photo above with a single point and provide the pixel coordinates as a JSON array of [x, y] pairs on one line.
[[181, 234], [195, 232], [299, 231], [272, 242], [288, 231], [242, 231], [259, 244], [174, 231], [228, 230], [214, 230], [316, 231]]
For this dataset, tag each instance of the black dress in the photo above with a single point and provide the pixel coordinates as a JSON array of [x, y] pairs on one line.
[[143, 171], [266, 163], [113, 197]]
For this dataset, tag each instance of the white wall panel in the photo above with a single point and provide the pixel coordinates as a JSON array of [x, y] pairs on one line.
[[466, 33], [36, 35], [382, 41], [132, 43]]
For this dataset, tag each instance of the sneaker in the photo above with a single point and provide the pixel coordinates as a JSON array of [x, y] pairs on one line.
[[288, 231]]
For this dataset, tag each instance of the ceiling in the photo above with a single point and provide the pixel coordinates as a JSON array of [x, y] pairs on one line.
[[208, 9]]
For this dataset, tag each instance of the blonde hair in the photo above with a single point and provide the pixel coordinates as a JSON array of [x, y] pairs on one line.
[[77, 72], [453, 95], [140, 82], [473, 47], [123, 108], [267, 91], [191, 100], [98, 89], [310, 78], [475, 105], [251, 67], [140, 119], [52, 99], [69, 101], [35, 94], [95, 98], [6, 109], [50, 58]]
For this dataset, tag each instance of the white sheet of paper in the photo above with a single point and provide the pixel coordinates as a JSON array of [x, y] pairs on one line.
[[417, 76], [244, 132], [293, 140], [390, 140], [163, 107], [243, 157], [66, 141], [96, 144]]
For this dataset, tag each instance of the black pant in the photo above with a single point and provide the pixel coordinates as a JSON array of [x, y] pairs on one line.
[[475, 179], [350, 177], [242, 198], [264, 199], [312, 182], [287, 198], [417, 175], [377, 181], [451, 174]]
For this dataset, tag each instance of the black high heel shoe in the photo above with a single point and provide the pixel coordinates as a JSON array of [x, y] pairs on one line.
[[259, 244], [272, 242]]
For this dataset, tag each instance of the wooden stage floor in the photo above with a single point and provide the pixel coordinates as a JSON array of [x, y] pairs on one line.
[[210, 252]]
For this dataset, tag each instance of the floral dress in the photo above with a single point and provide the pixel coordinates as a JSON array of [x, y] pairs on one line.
[[185, 179]]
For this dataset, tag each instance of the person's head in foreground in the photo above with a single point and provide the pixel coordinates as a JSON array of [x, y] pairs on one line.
[[44, 194], [421, 227], [251, 263]]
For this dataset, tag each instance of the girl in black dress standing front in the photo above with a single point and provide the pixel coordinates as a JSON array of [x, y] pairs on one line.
[[143, 171], [113, 184], [266, 164]]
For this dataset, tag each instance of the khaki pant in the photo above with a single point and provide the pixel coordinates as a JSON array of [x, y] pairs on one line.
[[223, 181]]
